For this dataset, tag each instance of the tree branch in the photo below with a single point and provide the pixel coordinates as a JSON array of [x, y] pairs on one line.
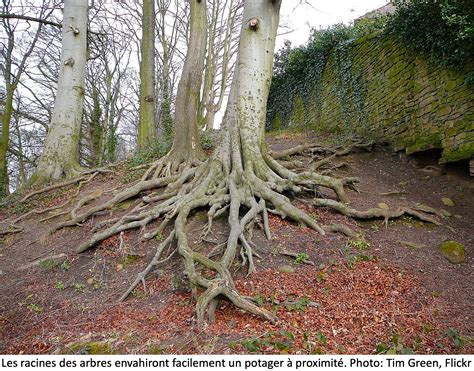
[[32, 19]]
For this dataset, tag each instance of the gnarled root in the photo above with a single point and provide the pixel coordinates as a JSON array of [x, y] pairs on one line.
[[213, 185], [373, 212]]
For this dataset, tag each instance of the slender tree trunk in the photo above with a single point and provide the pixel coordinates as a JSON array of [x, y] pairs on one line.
[[166, 119], [11, 83], [96, 130], [210, 117], [187, 144], [21, 161], [4, 142], [146, 126], [60, 156]]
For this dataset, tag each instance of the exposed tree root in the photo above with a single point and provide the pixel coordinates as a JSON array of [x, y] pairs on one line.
[[84, 178], [374, 212], [342, 152], [302, 149], [40, 261], [222, 186], [11, 229], [170, 165], [215, 186]]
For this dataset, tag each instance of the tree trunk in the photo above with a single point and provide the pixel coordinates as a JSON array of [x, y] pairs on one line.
[[146, 126], [4, 142], [166, 118], [60, 156], [96, 130], [239, 179], [187, 144]]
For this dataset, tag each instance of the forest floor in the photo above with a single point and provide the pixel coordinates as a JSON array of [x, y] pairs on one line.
[[388, 291]]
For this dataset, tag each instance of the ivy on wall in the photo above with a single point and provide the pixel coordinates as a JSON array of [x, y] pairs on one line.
[[298, 72], [442, 30]]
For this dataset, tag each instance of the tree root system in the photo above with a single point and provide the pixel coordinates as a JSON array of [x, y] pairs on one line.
[[225, 184]]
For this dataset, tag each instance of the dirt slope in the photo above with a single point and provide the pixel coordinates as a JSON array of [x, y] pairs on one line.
[[388, 290]]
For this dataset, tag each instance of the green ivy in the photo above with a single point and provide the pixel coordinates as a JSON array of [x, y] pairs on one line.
[[441, 29], [298, 74]]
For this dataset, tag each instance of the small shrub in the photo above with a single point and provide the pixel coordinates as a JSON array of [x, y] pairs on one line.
[[360, 244], [301, 258], [152, 152], [35, 308], [79, 287], [49, 265], [60, 285]]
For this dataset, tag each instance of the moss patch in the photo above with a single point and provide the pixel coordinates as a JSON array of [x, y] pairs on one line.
[[453, 251], [93, 348]]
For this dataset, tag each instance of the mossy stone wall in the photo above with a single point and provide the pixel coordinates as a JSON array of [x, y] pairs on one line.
[[396, 96]]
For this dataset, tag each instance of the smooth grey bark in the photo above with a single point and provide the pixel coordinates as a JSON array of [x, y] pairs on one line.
[[146, 126], [60, 156], [239, 179], [187, 145]]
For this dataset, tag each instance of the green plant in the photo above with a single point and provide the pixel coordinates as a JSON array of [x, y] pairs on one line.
[[49, 265], [321, 337], [98, 285], [139, 294], [282, 341], [79, 287], [301, 258], [458, 340], [298, 305], [396, 346], [321, 276], [352, 259], [252, 344], [65, 265], [298, 74], [60, 285], [35, 307], [443, 30], [207, 139], [260, 299], [360, 243], [152, 152]]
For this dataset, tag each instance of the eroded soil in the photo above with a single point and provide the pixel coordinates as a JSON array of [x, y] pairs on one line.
[[390, 290]]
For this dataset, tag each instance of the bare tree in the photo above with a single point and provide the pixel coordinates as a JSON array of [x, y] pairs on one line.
[[147, 127], [60, 156], [170, 24], [107, 84], [223, 38], [187, 150], [12, 71]]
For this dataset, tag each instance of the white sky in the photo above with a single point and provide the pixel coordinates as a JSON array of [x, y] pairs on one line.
[[320, 13]]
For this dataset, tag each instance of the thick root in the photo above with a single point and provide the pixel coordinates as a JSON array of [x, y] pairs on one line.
[[208, 185], [374, 212], [245, 195]]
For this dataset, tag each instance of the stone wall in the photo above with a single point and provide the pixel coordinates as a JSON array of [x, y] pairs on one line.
[[379, 89]]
